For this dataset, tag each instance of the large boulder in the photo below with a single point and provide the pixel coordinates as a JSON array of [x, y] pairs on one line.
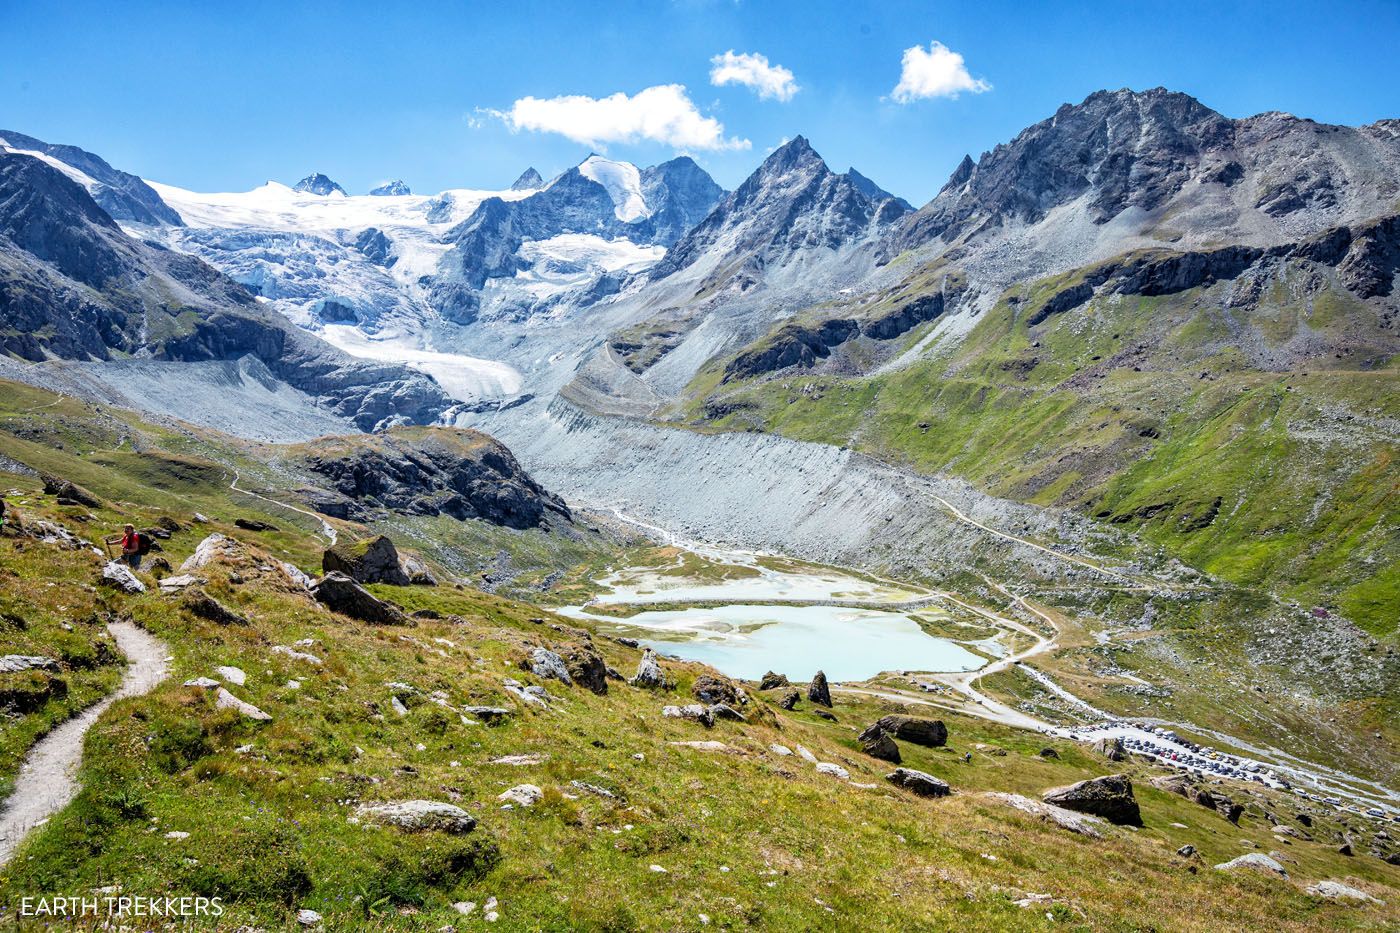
[[1254, 861], [930, 733], [789, 700], [694, 712], [587, 668], [545, 663], [373, 560], [1220, 803], [1111, 747], [119, 577], [649, 673], [1110, 797], [69, 493], [341, 594], [921, 783], [818, 691], [1084, 824], [880, 745], [215, 549], [771, 680], [711, 689], [206, 607], [418, 816]]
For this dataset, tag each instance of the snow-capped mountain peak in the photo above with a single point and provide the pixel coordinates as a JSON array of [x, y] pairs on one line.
[[529, 180], [623, 182], [316, 183], [391, 189]]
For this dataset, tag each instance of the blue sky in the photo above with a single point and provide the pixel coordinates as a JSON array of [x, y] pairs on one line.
[[222, 96]]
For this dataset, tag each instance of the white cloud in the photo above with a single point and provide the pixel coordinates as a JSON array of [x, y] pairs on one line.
[[663, 114], [937, 72], [753, 70]]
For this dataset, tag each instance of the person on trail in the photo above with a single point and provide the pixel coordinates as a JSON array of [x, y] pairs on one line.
[[131, 545]]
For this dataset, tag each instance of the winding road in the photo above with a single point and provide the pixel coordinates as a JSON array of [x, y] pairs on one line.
[[327, 531], [47, 780]]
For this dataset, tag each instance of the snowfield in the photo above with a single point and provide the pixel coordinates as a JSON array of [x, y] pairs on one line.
[[624, 183]]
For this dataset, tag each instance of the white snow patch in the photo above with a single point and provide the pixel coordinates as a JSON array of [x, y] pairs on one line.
[[570, 259], [624, 184], [465, 378]]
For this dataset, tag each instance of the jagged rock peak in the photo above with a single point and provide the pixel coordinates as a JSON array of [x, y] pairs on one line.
[[529, 180], [316, 183], [389, 189]]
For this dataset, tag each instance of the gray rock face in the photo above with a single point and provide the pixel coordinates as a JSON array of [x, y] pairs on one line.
[[343, 595], [818, 691], [1111, 748], [418, 816], [1335, 890], [545, 663], [880, 745], [14, 663], [439, 471], [1254, 861], [921, 783], [771, 680], [122, 195], [119, 576], [376, 561], [206, 607], [316, 183], [711, 689], [691, 711], [587, 668], [929, 733], [1110, 797], [649, 673]]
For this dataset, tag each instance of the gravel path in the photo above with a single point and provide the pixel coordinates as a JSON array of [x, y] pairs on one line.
[[48, 779]]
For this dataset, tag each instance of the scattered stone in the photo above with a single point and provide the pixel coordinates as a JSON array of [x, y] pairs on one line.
[[514, 689], [526, 795], [836, 771], [308, 918], [789, 700], [709, 746], [1174, 784], [1111, 747], [1335, 890], [1110, 797], [594, 789], [781, 750], [771, 680], [1048, 753], [805, 755], [649, 674], [397, 706], [177, 835], [1186, 851], [464, 908], [296, 655], [990, 750], [294, 574], [180, 582], [880, 745], [692, 711], [725, 711], [1345, 849], [216, 548], [818, 691], [14, 663], [225, 700], [820, 713], [518, 761], [201, 518], [488, 714], [253, 524], [233, 675], [545, 663], [119, 576], [204, 683], [1255, 861], [416, 816], [343, 595], [921, 783], [1221, 804], [206, 607], [1081, 823]]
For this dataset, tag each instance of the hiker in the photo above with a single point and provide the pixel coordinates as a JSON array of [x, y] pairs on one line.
[[130, 543]]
